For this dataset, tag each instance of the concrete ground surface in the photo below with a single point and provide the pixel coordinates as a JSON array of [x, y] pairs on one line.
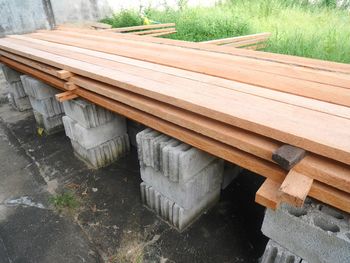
[[110, 224]]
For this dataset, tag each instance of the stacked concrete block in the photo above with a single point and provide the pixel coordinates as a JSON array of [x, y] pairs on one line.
[[274, 253], [48, 112], [315, 232], [98, 136], [231, 172], [180, 182], [16, 96]]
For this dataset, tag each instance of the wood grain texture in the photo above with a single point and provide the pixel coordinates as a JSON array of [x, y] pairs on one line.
[[295, 188], [267, 194], [319, 191]]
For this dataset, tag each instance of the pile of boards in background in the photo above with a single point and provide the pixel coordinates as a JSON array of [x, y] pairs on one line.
[[240, 105]]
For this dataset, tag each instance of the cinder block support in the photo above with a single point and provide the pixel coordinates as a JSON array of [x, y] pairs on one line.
[[274, 253], [180, 182], [134, 128], [48, 112], [17, 96], [315, 232], [98, 136]]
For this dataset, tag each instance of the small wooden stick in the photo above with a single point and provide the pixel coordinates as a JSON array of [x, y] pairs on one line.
[[267, 194], [70, 86], [287, 156], [64, 74], [295, 188]]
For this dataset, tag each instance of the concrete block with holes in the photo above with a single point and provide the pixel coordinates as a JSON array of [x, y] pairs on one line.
[[274, 253], [87, 114], [17, 97], [47, 110], [315, 232], [98, 136], [180, 182]]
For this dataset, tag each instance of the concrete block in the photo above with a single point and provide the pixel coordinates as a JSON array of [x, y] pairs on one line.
[[190, 193], [16, 88], [20, 104], [274, 253], [48, 107], [92, 137], [176, 160], [87, 114], [134, 128], [231, 172], [170, 211], [315, 232], [103, 154], [50, 125], [37, 89], [10, 74]]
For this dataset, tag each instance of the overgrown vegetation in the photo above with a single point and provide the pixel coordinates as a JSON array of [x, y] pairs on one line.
[[65, 200], [320, 30]]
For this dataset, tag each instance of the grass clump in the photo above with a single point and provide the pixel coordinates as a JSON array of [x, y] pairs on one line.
[[65, 200], [320, 30]]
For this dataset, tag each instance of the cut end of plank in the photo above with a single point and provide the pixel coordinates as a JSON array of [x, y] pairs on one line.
[[295, 189], [287, 156], [267, 194], [70, 86], [64, 74], [67, 95]]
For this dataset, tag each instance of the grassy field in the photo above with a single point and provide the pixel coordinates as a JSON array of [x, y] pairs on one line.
[[298, 28]]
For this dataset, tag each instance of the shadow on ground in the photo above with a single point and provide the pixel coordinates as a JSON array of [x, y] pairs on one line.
[[111, 220]]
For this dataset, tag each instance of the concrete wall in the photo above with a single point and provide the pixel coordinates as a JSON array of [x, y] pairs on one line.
[[23, 16], [18, 16]]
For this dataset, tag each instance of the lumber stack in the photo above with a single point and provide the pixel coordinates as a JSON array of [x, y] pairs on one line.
[[241, 105], [154, 30]]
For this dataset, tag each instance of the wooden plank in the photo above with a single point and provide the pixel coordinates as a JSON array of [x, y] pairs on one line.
[[246, 42], [230, 40], [100, 59], [267, 194], [295, 188], [265, 56], [67, 95], [207, 64], [147, 32], [163, 33], [337, 175], [297, 71], [319, 191], [135, 28], [98, 25], [212, 101]]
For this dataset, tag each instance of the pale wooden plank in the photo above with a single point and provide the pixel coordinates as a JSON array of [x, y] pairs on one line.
[[295, 188], [143, 27], [162, 33], [319, 191], [147, 32], [229, 40], [212, 103]]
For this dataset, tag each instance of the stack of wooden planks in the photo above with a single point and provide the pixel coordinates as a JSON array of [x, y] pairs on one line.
[[240, 105]]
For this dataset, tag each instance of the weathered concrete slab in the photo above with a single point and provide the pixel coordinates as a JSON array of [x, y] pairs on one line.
[[87, 114], [50, 125], [171, 211], [316, 232], [190, 193], [95, 136], [103, 154]]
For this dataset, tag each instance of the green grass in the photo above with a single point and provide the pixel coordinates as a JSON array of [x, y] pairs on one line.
[[298, 28], [66, 200]]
